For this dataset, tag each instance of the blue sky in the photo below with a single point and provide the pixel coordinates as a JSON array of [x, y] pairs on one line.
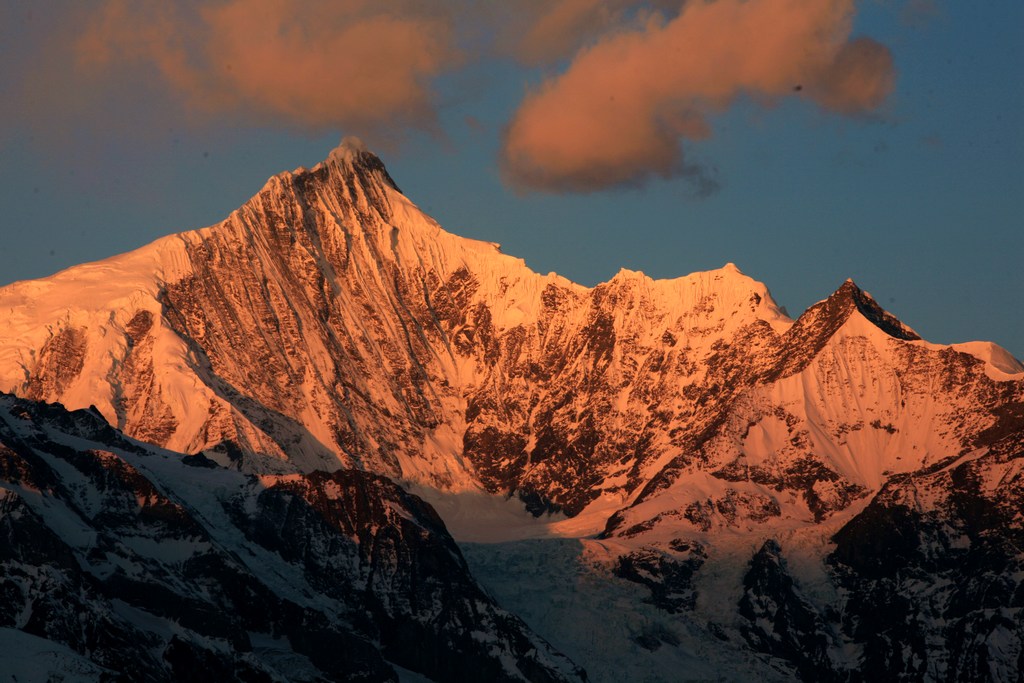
[[920, 199]]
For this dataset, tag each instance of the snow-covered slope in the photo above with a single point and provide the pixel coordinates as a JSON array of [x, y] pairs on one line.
[[328, 323]]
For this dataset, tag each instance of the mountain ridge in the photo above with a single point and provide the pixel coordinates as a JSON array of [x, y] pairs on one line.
[[310, 255], [329, 326], [157, 567]]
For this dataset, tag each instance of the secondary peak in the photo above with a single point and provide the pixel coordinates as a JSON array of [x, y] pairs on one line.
[[850, 297]]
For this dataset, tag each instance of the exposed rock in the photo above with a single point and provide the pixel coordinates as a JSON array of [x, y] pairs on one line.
[[781, 622], [667, 573], [933, 570], [154, 570]]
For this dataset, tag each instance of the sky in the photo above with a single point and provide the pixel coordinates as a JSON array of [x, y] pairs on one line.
[[807, 141]]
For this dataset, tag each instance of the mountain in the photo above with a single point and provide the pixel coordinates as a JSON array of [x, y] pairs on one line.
[[134, 563], [696, 441]]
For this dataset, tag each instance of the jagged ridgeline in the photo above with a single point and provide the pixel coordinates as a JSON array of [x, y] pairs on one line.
[[328, 324]]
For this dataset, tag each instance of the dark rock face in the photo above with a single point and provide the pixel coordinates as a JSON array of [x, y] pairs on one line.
[[731, 508], [60, 362], [363, 540], [929, 576], [805, 475], [145, 558], [139, 393], [132, 559], [780, 621], [667, 572], [933, 568]]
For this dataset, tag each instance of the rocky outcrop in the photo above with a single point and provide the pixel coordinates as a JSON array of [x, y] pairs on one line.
[[156, 571], [667, 572], [781, 622], [933, 570]]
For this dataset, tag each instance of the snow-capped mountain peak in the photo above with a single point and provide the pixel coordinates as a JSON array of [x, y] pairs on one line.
[[330, 324], [870, 310]]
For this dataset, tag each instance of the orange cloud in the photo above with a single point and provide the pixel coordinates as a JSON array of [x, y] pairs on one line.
[[311, 63], [542, 32], [619, 112], [648, 76], [539, 32]]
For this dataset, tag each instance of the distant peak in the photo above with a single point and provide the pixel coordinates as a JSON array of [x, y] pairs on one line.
[[731, 267], [350, 171], [849, 286], [628, 274], [850, 297], [850, 291], [817, 325]]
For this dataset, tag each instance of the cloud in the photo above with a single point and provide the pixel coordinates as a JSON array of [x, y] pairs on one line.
[[544, 32], [618, 114], [313, 64], [639, 78], [541, 32]]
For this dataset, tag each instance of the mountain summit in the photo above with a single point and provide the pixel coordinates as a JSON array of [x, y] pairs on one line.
[[329, 324]]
